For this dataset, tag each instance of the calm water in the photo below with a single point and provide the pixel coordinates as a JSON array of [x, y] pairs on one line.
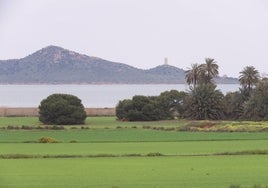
[[91, 95]]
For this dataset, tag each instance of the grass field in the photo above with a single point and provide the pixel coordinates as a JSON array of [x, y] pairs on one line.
[[194, 172], [124, 135], [93, 122], [165, 148], [124, 154]]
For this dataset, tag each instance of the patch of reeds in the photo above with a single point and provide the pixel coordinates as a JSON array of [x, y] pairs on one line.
[[45, 139], [239, 186], [152, 154], [28, 127], [156, 128], [27, 156], [246, 152]]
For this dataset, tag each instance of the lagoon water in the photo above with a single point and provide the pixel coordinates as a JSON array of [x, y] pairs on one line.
[[96, 96]]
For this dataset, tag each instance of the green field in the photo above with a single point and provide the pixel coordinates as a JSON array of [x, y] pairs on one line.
[[194, 172], [165, 148], [124, 135], [124, 154]]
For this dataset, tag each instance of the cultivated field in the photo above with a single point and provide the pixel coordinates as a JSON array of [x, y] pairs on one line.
[[108, 153]]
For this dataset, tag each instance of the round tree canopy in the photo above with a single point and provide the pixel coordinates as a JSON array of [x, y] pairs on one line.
[[62, 109]]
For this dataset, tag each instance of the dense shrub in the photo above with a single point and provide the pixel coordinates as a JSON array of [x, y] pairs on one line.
[[143, 108], [233, 105], [256, 107], [62, 109], [171, 103], [123, 108], [140, 108]]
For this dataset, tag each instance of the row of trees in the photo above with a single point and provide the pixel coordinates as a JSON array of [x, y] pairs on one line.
[[143, 108], [203, 100]]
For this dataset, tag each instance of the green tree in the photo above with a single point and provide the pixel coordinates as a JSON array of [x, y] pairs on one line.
[[256, 107], [143, 109], [249, 77], [122, 109], [209, 70], [203, 73], [204, 102], [62, 109], [192, 74], [171, 103], [140, 108], [233, 105]]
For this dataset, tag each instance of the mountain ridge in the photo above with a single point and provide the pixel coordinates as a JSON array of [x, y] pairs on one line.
[[56, 65]]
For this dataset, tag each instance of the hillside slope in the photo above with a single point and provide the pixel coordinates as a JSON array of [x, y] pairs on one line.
[[57, 65]]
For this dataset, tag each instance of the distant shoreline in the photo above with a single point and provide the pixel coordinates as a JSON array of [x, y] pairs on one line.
[[34, 111], [108, 83]]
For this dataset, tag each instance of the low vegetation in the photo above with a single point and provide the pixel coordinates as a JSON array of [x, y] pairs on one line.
[[110, 123], [254, 186], [45, 139], [132, 154]]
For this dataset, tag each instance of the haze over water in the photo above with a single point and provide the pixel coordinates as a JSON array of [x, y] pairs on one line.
[[96, 96]]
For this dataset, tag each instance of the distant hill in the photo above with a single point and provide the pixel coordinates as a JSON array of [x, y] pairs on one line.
[[167, 74], [55, 65]]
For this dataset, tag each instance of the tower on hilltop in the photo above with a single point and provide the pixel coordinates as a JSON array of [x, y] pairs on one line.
[[165, 61]]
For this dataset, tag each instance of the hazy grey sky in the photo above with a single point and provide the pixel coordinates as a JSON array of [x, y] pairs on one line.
[[141, 33]]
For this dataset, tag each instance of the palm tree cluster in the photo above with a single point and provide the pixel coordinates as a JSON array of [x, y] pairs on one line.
[[202, 73], [204, 101]]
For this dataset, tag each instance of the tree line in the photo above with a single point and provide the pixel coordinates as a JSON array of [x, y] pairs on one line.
[[203, 101]]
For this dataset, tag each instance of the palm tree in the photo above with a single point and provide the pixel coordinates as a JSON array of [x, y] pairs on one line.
[[192, 74], [249, 76], [209, 70], [204, 102]]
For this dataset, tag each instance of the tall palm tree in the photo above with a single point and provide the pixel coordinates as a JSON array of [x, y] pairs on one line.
[[210, 70], [192, 74], [249, 76]]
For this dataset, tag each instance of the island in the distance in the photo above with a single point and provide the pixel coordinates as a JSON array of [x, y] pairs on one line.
[[56, 65]]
